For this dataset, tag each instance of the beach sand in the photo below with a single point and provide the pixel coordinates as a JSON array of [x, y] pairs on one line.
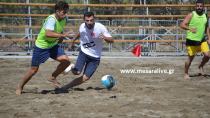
[[137, 95]]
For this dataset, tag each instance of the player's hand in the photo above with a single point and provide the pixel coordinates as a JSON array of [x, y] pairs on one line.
[[193, 30], [68, 35], [72, 46], [65, 36], [107, 39], [60, 40], [208, 41]]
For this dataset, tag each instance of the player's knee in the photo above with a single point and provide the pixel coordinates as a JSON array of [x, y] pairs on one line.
[[63, 59], [33, 70], [188, 62], [76, 72], [207, 55], [66, 61]]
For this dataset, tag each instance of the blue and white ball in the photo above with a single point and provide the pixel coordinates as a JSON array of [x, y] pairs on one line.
[[108, 81]]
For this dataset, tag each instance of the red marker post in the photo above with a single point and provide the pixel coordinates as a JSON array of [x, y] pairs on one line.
[[137, 50]]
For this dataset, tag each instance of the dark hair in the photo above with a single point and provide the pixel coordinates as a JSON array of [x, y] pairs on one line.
[[61, 5], [199, 1], [88, 14]]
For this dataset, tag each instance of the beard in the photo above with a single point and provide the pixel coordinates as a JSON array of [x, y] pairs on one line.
[[89, 26], [199, 11]]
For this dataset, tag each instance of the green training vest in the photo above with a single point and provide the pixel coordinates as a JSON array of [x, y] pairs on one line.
[[45, 42], [198, 22]]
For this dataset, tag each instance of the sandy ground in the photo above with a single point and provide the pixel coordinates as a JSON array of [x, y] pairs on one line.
[[139, 95]]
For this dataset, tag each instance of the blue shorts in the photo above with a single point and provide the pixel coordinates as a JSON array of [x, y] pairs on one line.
[[41, 55], [87, 62]]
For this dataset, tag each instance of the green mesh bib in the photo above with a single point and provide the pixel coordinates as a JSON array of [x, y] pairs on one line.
[[43, 41], [198, 22]]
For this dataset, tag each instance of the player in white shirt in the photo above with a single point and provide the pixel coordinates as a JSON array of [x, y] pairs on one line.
[[92, 35]]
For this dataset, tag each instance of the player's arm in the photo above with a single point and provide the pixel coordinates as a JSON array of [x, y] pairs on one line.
[[76, 37], [105, 35], [208, 35], [107, 39], [185, 23], [73, 42], [52, 34], [49, 27], [208, 30]]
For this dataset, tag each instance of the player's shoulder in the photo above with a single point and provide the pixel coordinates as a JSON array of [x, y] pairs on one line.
[[82, 26], [50, 20], [191, 13], [51, 17], [99, 24]]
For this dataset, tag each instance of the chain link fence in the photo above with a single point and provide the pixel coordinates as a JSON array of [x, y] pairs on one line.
[[157, 37]]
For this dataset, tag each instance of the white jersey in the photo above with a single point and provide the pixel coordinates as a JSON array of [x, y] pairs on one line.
[[90, 41], [50, 24]]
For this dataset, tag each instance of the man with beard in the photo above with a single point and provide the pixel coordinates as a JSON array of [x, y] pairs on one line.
[[196, 24], [91, 36]]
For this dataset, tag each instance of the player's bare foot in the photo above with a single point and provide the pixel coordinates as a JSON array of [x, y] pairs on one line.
[[54, 82], [186, 76], [18, 91]]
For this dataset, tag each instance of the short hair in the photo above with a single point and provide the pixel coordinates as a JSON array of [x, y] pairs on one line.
[[88, 14], [61, 5], [199, 1]]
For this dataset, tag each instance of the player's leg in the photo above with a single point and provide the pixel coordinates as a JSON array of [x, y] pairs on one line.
[[31, 72], [191, 50], [73, 83], [90, 68], [39, 56], [187, 66], [58, 54], [80, 63], [206, 56]]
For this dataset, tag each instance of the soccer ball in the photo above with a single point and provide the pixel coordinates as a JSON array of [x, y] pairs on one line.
[[108, 81]]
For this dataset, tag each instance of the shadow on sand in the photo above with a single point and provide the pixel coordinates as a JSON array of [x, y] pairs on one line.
[[200, 75], [63, 91]]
